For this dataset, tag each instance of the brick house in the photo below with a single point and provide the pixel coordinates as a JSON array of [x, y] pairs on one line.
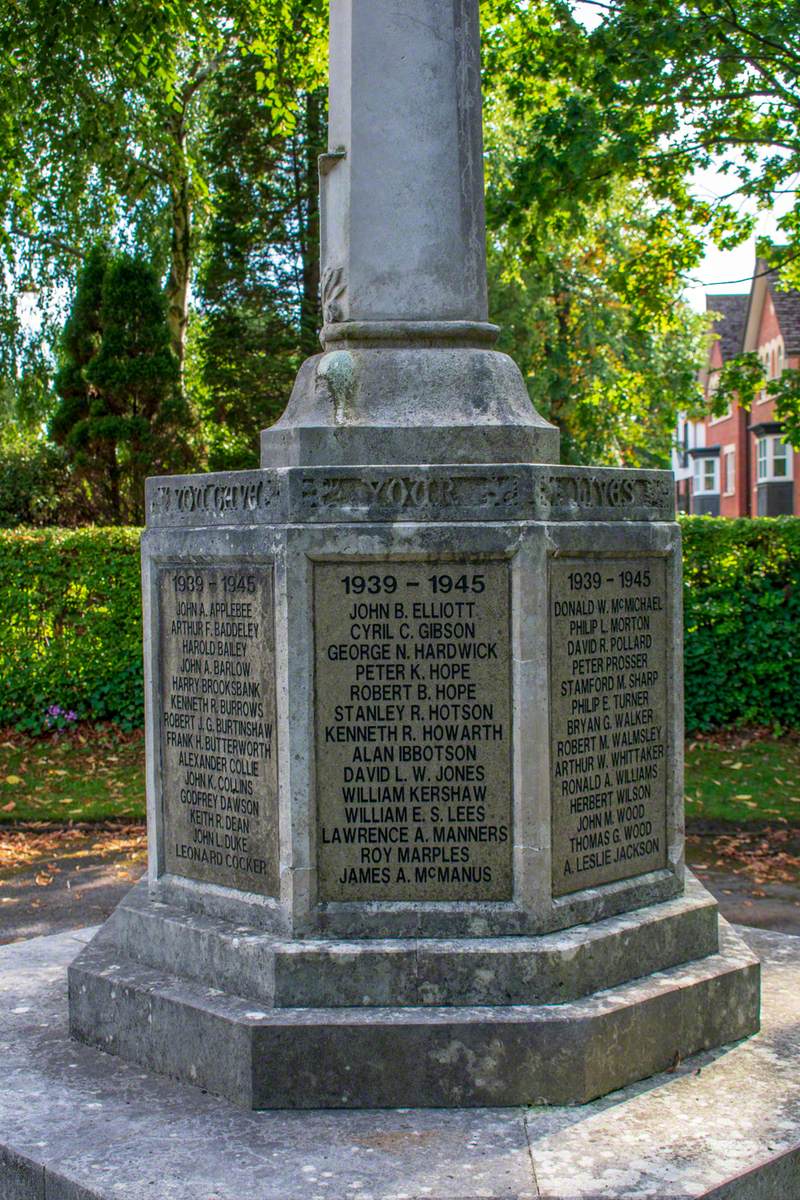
[[736, 465]]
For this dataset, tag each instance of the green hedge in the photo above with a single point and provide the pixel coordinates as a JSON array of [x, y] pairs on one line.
[[742, 620], [71, 620], [71, 617]]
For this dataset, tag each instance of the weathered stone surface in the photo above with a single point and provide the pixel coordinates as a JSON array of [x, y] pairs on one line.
[[317, 973], [611, 749], [426, 404], [297, 553], [459, 492], [75, 1125], [413, 730], [290, 964], [406, 142], [441, 1056], [216, 720]]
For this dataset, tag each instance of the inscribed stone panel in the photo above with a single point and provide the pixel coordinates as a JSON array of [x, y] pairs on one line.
[[608, 719], [413, 726], [217, 725]]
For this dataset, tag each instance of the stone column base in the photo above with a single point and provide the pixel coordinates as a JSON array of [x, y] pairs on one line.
[[272, 1023]]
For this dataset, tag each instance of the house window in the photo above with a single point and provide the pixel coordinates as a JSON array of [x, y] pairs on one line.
[[730, 472], [706, 476], [773, 460]]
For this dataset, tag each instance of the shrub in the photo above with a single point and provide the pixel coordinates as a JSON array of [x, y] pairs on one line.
[[71, 627], [36, 486], [70, 608], [742, 621]]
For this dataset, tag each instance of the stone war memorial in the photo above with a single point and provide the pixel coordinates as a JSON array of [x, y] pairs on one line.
[[414, 692], [414, 714]]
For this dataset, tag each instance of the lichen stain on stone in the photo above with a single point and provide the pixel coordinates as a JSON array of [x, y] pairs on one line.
[[336, 374], [395, 1139], [453, 1053]]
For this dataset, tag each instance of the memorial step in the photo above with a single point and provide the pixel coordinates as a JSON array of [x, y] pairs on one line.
[[440, 1056], [552, 969]]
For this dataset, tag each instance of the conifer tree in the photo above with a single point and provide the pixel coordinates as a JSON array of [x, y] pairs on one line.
[[121, 415]]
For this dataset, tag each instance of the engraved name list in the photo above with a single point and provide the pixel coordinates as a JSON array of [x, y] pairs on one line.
[[413, 730], [608, 720], [218, 749]]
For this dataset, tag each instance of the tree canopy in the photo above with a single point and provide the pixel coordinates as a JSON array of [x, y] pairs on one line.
[[185, 132], [105, 121], [652, 92]]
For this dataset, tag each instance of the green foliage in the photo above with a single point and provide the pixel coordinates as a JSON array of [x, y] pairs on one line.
[[121, 415], [36, 488], [105, 110], [739, 381], [72, 633], [785, 391], [651, 91], [25, 402], [742, 379], [742, 621], [586, 278], [70, 607], [610, 352], [258, 284]]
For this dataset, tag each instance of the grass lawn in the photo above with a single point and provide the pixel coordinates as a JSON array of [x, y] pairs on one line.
[[98, 775], [91, 775], [743, 779]]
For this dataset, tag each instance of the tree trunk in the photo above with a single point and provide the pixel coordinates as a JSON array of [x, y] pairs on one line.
[[114, 486], [180, 270], [314, 135]]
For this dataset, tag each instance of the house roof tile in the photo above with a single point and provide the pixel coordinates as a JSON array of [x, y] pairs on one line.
[[787, 309], [730, 324]]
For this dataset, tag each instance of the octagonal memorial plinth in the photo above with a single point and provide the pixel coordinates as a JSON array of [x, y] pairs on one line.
[[415, 794]]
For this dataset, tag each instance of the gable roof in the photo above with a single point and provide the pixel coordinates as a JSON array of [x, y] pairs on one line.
[[730, 324], [787, 310]]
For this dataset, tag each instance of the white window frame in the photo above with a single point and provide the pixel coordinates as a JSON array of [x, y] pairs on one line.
[[766, 447], [729, 471], [699, 475]]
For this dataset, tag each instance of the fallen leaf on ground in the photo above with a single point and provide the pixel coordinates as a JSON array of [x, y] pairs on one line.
[[13, 780], [9, 807], [43, 880]]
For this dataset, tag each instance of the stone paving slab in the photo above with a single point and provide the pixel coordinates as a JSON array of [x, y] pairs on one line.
[[76, 1124]]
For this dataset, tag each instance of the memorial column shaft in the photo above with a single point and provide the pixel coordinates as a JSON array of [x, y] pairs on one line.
[[402, 185]]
